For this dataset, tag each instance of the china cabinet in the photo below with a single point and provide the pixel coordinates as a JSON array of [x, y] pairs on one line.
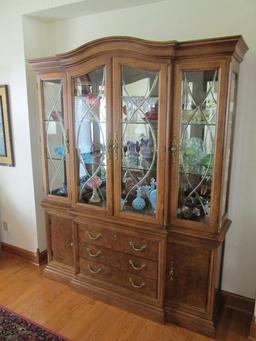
[[136, 148]]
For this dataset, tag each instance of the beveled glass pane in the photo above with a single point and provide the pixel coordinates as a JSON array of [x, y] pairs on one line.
[[228, 140], [139, 123], [90, 125], [197, 141], [55, 137]]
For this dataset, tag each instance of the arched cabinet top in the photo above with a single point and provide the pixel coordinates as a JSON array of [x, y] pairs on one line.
[[225, 46]]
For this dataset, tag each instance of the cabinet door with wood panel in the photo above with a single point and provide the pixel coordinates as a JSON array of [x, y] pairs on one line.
[[60, 236], [187, 280]]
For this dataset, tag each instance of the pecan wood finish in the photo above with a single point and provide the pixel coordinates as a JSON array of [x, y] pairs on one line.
[[136, 149]]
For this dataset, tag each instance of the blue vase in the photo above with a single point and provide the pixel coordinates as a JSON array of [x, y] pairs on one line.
[[153, 199], [138, 203], [153, 194]]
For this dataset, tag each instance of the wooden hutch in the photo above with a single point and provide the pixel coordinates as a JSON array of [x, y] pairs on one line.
[[136, 148]]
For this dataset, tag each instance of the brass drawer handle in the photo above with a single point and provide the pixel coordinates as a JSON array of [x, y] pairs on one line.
[[93, 271], [137, 268], [116, 146], [137, 249], [91, 254], [171, 272], [137, 286], [92, 237]]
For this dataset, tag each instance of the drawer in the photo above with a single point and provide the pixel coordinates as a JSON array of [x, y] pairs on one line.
[[117, 240], [106, 274], [139, 266]]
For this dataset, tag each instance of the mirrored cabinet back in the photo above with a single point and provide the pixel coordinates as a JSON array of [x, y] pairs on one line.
[[136, 150]]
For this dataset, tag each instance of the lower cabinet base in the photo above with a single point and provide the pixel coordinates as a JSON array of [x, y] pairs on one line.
[[59, 272], [134, 306], [198, 324]]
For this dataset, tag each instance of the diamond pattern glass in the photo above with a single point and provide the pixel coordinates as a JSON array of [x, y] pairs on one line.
[[55, 137], [139, 124], [90, 125], [197, 141]]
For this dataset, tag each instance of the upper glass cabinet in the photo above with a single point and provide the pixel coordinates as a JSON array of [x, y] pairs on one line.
[[139, 140], [56, 137], [89, 103], [199, 103]]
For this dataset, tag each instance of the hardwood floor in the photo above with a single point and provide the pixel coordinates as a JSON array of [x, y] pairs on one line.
[[24, 289]]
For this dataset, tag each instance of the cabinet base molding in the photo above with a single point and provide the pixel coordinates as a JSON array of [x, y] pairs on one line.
[[59, 272], [37, 258], [132, 305], [252, 335], [192, 322]]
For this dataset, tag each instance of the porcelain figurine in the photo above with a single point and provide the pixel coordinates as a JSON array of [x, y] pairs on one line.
[[145, 152], [132, 153], [138, 203]]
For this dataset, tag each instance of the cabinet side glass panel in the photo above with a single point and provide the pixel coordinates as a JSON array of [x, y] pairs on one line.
[[55, 135], [199, 105], [228, 143], [90, 138], [139, 125]]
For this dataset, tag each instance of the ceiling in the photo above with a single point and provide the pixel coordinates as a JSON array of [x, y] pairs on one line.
[[86, 7]]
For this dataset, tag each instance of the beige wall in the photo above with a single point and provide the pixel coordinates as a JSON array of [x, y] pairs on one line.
[[166, 20]]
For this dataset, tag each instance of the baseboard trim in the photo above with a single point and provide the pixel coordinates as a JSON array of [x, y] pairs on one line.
[[37, 258], [252, 335], [237, 302]]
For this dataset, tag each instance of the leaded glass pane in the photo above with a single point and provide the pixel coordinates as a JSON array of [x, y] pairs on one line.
[[197, 142], [90, 126], [139, 124], [55, 137]]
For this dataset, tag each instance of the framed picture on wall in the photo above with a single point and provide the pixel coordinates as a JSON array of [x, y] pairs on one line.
[[6, 156]]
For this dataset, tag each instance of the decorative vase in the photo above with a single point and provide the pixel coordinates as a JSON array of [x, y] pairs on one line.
[[94, 182], [153, 194], [95, 198], [138, 203]]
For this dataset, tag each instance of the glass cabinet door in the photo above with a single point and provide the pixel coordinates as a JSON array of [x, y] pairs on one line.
[[55, 137], [196, 127], [138, 183], [90, 126]]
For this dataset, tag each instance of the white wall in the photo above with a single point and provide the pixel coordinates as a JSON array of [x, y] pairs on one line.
[[167, 20]]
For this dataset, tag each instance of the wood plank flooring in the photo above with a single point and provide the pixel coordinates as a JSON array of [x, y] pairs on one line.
[[24, 289]]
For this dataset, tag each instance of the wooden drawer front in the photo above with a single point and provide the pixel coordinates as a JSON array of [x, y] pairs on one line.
[[125, 262], [188, 275], [118, 241], [135, 283]]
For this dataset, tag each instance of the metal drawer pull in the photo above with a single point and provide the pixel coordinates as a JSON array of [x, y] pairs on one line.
[[137, 286], [171, 272], [91, 254], [92, 237], [137, 249], [94, 271], [137, 267]]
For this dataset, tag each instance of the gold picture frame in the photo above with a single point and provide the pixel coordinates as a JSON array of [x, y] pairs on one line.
[[6, 155]]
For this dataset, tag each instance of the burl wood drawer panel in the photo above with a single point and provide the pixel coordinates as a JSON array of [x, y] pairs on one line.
[[61, 239], [106, 274], [119, 241], [188, 275], [139, 266]]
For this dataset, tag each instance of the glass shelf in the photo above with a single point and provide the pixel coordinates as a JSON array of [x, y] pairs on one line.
[[197, 123]]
